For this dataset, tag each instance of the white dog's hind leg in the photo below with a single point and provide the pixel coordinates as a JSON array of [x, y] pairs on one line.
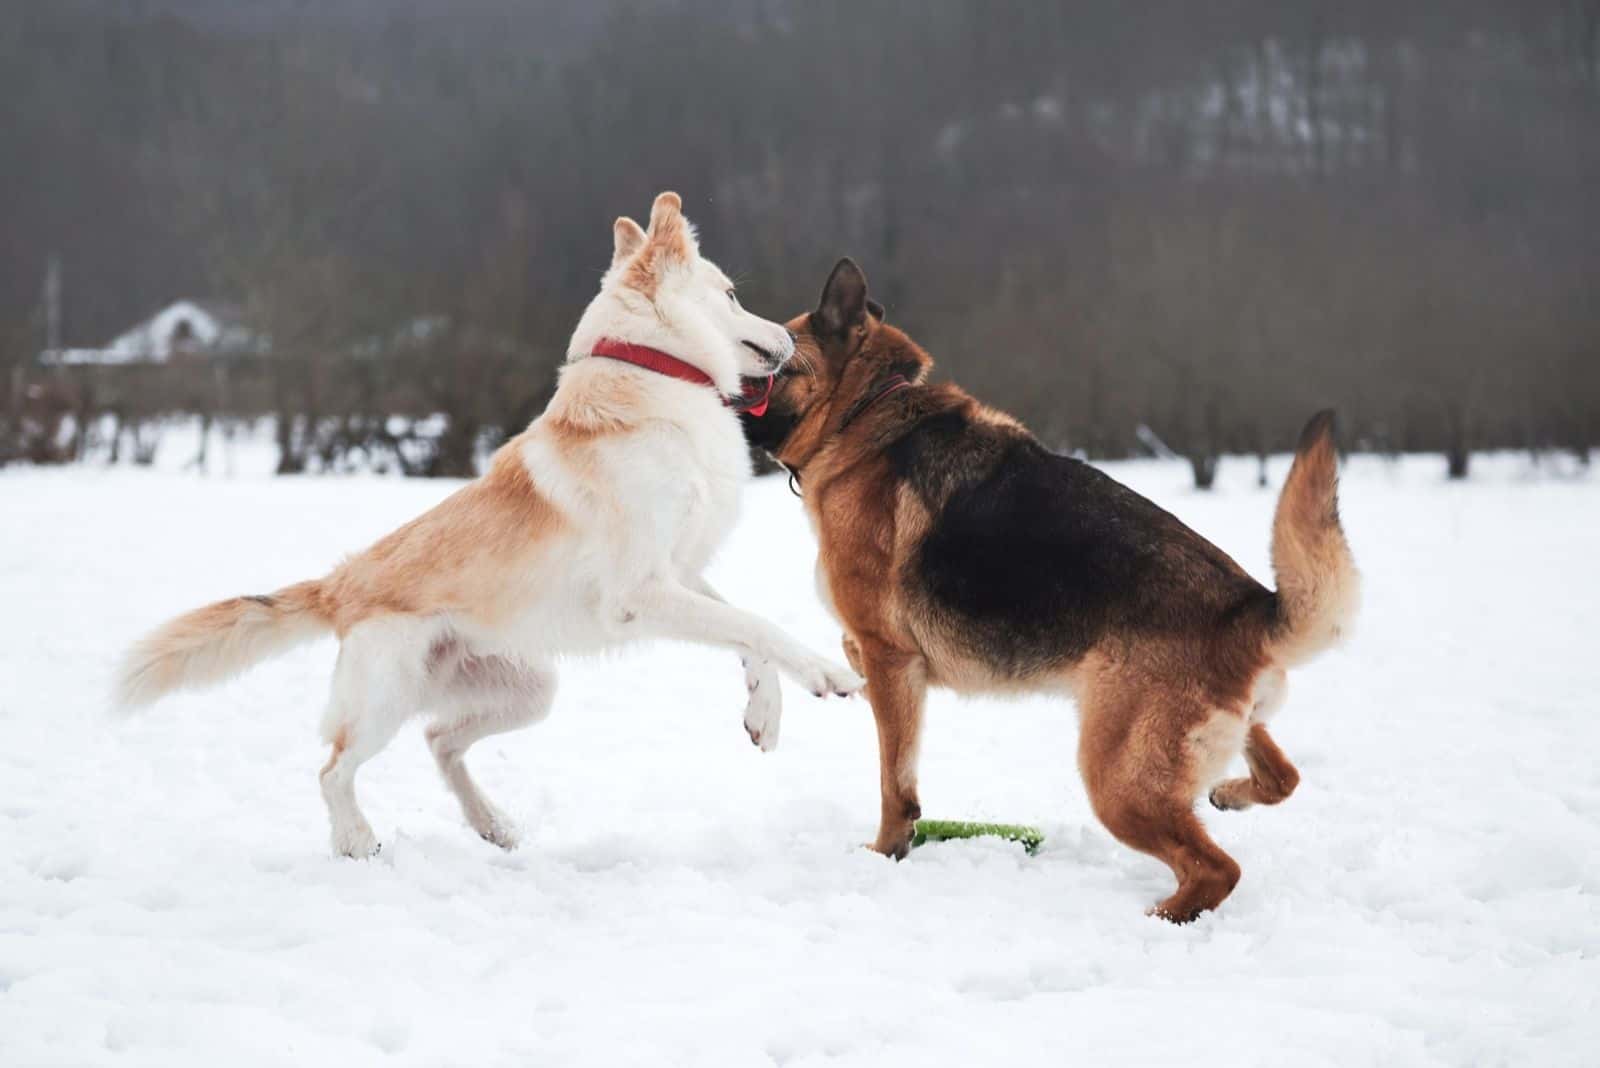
[[486, 695], [377, 684], [351, 833]]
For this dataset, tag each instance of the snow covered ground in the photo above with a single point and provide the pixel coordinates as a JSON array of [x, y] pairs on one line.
[[1431, 895]]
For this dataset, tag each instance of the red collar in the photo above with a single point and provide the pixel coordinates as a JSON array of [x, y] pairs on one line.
[[650, 359], [666, 364]]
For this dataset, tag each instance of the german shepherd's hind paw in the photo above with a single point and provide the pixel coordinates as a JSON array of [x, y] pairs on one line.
[[1231, 796]]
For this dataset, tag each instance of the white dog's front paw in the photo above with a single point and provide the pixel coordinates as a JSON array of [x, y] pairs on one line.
[[824, 677], [764, 714]]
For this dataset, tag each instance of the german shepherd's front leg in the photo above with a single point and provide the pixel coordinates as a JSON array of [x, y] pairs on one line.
[[896, 686]]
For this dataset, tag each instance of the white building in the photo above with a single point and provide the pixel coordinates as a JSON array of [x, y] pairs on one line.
[[185, 328]]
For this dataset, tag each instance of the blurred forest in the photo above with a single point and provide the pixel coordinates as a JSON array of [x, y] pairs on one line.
[[1204, 219]]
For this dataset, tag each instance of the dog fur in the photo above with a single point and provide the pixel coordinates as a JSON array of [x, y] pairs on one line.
[[590, 530], [957, 551]]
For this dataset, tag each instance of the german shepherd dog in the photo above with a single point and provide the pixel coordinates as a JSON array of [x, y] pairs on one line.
[[589, 531], [957, 551]]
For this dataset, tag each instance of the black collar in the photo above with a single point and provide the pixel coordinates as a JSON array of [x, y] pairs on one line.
[[892, 384], [888, 386]]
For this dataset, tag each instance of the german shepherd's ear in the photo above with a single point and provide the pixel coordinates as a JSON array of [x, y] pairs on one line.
[[875, 310], [844, 300], [627, 237]]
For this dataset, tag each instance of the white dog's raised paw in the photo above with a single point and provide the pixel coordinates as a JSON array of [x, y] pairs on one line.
[[764, 715], [827, 678]]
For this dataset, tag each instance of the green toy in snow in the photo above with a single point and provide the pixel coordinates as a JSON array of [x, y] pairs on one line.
[[1030, 838]]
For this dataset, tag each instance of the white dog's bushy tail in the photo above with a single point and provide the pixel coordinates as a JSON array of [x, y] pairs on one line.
[[216, 642], [1319, 587]]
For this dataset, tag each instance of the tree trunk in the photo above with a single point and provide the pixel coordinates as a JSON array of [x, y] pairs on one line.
[[290, 462], [146, 440], [199, 461], [1203, 459], [291, 454], [19, 389], [80, 437], [1457, 455], [457, 446]]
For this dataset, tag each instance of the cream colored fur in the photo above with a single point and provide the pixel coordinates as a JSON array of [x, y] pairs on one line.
[[590, 530], [1319, 588]]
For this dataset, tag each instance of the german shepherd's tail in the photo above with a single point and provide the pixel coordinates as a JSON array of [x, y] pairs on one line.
[[219, 641], [1319, 587]]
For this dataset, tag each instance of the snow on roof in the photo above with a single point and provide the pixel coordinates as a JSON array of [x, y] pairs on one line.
[[192, 325]]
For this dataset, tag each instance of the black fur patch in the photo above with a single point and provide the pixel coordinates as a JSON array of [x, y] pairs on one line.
[[770, 430], [1032, 557], [942, 452]]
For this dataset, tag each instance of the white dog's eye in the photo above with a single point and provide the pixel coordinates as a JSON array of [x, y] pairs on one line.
[[733, 297]]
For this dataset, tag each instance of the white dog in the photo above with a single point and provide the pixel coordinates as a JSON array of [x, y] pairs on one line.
[[590, 530]]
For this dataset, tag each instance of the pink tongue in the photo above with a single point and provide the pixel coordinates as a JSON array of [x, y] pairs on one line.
[[759, 408]]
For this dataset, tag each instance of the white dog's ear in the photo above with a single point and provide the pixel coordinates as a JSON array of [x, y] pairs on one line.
[[670, 235], [667, 205], [669, 241], [627, 237]]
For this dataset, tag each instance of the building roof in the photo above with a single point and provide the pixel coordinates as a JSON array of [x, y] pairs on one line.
[[208, 326]]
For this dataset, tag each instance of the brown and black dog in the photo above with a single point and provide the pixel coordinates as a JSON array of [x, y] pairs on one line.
[[957, 551]]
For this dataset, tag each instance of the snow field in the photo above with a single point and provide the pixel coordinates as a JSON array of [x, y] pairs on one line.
[[1430, 895]]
